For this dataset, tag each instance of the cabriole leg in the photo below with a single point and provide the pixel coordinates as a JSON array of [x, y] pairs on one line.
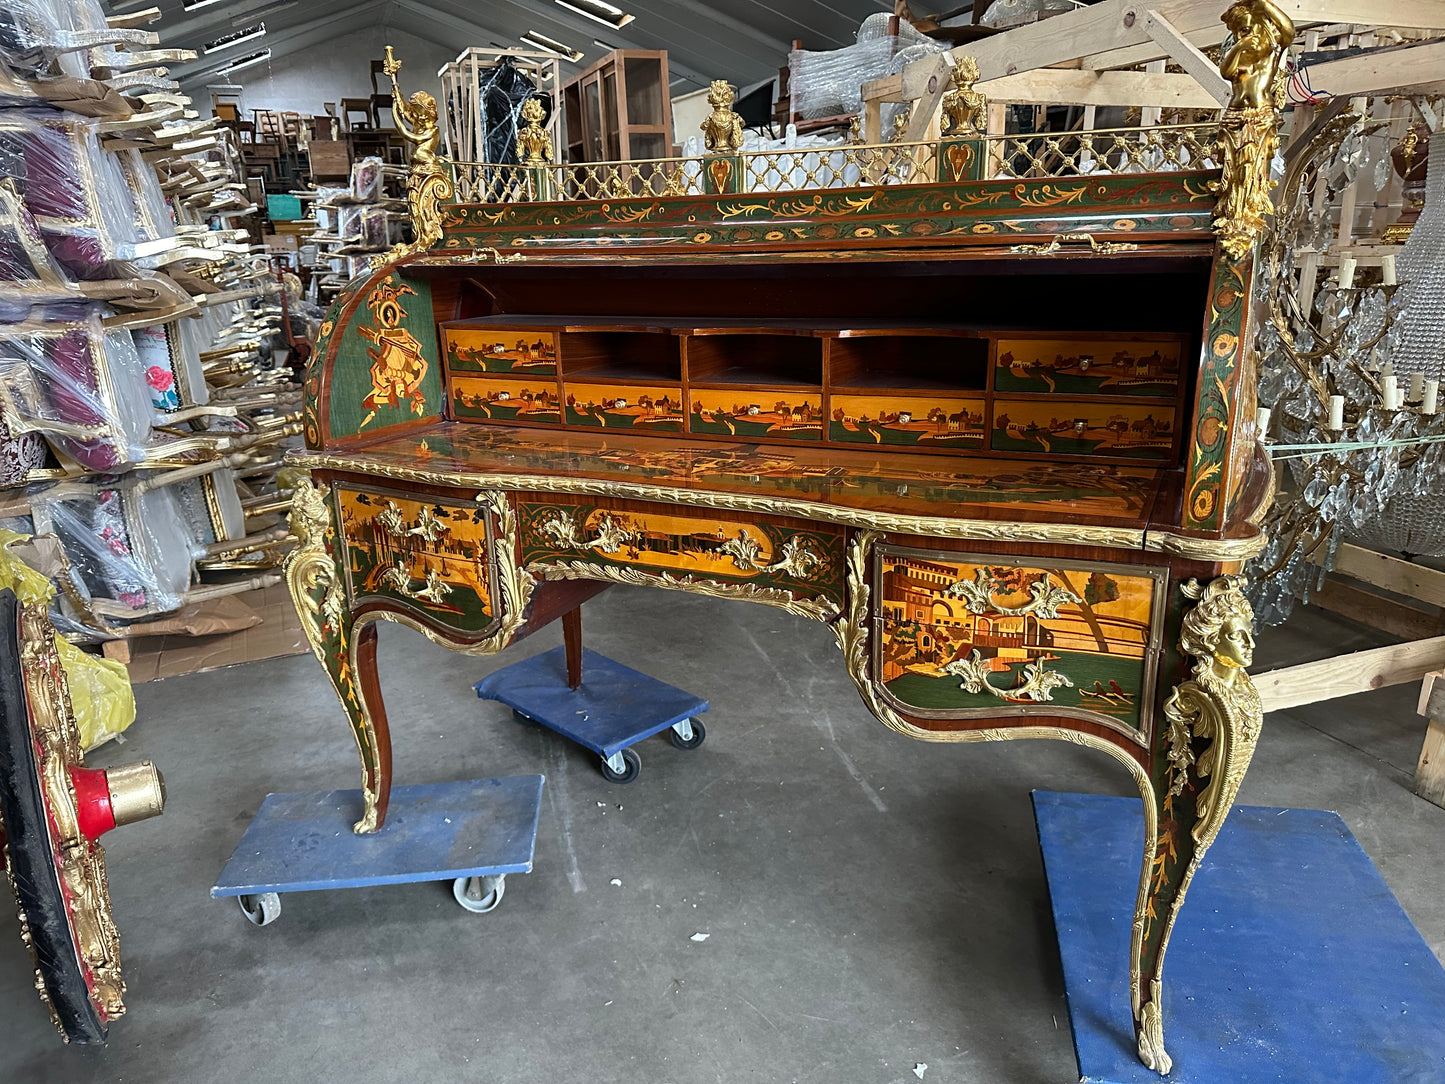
[[1213, 721], [346, 653]]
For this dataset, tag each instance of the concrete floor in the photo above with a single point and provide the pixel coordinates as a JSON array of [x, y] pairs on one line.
[[871, 902]]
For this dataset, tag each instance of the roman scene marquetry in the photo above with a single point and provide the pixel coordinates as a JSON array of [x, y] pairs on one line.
[[971, 636]]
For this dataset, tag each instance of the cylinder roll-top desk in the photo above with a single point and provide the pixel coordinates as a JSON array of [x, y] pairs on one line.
[[983, 405]]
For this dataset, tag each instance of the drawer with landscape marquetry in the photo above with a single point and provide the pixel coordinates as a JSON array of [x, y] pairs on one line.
[[796, 565], [421, 553], [963, 636]]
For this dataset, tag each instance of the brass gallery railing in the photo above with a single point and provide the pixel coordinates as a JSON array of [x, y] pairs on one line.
[[1007, 157]]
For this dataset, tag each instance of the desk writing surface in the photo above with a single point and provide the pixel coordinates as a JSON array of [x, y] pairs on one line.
[[887, 483]]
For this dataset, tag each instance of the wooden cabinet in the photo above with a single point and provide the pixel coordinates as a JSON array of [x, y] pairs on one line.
[[619, 109]]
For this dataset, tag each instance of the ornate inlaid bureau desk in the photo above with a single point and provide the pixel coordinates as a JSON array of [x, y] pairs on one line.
[[982, 405]]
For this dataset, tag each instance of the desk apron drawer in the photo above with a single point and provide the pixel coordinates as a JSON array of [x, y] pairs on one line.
[[798, 566], [425, 554], [964, 636]]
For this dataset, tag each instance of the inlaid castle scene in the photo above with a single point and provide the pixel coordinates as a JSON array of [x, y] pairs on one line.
[[487, 350], [1099, 367], [957, 635]]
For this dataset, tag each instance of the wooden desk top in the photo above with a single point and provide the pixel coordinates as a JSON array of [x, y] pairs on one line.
[[1079, 503]]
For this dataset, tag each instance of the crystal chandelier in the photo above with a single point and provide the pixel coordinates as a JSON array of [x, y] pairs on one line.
[[1350, 372]]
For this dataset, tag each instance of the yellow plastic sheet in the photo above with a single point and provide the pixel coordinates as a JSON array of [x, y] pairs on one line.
[[100, 691]]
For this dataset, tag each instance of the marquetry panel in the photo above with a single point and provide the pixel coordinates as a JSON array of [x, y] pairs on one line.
[[964, 636], [734, 556], [425, 553]]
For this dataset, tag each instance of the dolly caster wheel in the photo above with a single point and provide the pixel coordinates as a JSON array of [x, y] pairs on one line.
[[480, 895], [688, 734], [261, 909], [622, 767]]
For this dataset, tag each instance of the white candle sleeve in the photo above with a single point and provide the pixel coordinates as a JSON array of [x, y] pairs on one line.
[[1337, 412], [1387, 270], [1430, 404], [1347, 272], [1261, 422]]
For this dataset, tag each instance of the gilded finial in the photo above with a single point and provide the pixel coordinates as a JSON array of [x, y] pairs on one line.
[[963, 107], [722, 129], [534, 144]]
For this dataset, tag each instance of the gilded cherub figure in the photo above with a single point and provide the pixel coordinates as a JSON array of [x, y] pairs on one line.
[[722, 129], [1262, 33], [1248, 137], [534, 143], [429, 183], [963, 107]]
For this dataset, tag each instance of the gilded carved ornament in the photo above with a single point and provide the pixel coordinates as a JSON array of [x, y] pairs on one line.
[[722, 129], [1248, 134], [964, 109], [80, 862], [534, 144], [429, 183]]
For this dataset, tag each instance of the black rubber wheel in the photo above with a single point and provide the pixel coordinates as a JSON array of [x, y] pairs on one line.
[[32, 863], [699, 735], [628, 774]]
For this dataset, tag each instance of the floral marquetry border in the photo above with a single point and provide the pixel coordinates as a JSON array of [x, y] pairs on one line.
[[1219, 389], [1112, 204]]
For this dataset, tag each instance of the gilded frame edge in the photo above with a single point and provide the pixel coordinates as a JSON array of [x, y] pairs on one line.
[[983, 530]]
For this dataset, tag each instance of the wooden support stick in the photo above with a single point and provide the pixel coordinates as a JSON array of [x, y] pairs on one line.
[[572, 638], [1430, 772], [1358, 672]]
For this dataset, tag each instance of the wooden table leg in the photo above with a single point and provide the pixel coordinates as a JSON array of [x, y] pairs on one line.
[[572, 638], [1430, 773]]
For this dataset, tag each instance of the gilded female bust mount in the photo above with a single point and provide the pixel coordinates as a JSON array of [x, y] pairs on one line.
[[722, 129]]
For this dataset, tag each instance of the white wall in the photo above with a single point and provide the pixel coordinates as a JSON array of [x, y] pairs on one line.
[[302, 81]]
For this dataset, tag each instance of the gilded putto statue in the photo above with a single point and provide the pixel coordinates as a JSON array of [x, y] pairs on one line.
[[429, 183], [1248, 136]]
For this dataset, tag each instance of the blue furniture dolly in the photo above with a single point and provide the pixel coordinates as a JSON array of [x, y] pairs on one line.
[[611, 708], [472, 833]]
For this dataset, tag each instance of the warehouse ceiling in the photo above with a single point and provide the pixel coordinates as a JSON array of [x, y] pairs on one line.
[[745, 41]]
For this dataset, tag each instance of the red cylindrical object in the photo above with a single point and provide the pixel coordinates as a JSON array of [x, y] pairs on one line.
[[92, 802]]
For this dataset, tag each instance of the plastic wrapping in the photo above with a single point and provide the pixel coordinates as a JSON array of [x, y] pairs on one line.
[[366, 180], [131, 548], [828, 84], [28, 273], [43, 37], [77, 194], [64, 375], [211, 507], [1008, 12], [100, 692], [152, 212], [159, 349]]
